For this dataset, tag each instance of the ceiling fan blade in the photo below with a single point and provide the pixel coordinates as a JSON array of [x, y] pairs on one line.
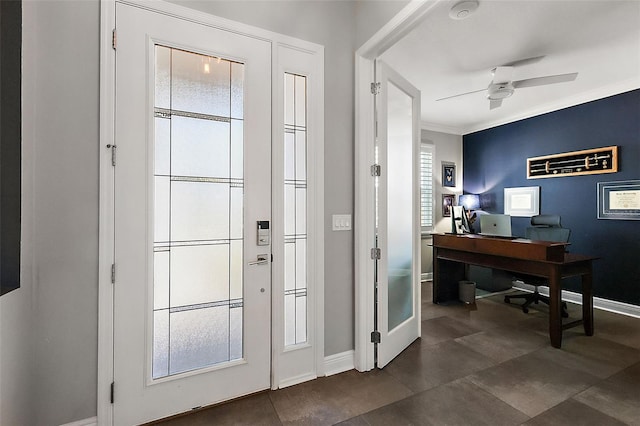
[[541, 81], [526, 61], [495, 103], [461, 94], [502, 74]]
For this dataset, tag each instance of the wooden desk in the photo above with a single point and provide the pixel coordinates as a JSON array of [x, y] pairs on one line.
[[540, 258]]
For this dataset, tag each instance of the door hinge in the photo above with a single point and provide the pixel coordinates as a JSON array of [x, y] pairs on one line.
[[376, 170], [375, 337], [113, 39], [375, 88], [112, 147], [112, 391], [375, 253], [113, 273]]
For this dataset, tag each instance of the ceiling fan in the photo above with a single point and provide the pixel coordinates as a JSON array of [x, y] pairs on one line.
[[502, 86]]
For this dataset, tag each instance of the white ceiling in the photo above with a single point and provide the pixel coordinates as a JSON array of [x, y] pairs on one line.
[[442, 57]]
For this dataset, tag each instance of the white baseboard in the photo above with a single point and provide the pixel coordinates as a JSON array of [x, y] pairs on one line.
[[92, 421], [297, 380], [598, 302], [338, 363]]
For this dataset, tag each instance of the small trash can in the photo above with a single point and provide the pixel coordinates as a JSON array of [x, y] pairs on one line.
[[467, 291]]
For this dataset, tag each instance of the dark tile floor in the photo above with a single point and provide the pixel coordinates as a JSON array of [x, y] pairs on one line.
[[488, 364]]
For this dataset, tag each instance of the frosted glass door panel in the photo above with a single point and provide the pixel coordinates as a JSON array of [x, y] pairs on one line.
[[295, 208], [203, 274], [400, 206], [194, 343], [237, 147], [237, 90], [198, 212], [161, 279], [200, 84], [199, 147], [163, 77], [162, 146], [161, 208]]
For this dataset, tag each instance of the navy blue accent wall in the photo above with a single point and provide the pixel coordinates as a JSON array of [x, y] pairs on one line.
[[496, 158]]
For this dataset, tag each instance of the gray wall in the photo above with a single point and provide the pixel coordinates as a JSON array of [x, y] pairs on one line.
[[48, 357]]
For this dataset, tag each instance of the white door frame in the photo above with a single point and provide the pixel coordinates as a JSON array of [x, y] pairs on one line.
[[315, 222], [386, 37]]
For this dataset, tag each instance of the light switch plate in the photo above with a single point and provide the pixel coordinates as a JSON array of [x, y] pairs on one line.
[[341, 222]]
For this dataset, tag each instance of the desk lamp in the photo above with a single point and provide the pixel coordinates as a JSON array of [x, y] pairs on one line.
[[470, 202]]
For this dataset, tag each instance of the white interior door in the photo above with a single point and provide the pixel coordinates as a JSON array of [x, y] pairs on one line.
[[192, 180], [398, 208]]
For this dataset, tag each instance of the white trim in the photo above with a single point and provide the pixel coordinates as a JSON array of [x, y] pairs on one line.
[[598, 302], [106, 225], [292, 381], [213, 21], [363, 216], [91, 421], [400, 25], [339, 363], [441, 128]]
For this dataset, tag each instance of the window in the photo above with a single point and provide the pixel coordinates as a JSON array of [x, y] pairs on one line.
[[426, 187]]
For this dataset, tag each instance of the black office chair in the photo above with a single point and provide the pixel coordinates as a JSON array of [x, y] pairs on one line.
[[545, 227]]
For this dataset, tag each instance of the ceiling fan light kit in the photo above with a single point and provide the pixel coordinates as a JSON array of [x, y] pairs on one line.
[[463, 9], [499, 91]]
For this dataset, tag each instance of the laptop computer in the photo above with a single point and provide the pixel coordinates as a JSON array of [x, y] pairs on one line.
[[495, 225]]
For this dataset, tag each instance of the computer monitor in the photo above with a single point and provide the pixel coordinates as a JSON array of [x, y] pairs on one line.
[[495, 225], [459, 220]]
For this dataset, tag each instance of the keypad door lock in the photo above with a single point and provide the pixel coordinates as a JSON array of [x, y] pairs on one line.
[[264, 233]]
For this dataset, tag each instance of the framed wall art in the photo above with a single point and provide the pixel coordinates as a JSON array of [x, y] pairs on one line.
[[619, 200], [522, 201], [447, 203], [448, 174], [585, 162]]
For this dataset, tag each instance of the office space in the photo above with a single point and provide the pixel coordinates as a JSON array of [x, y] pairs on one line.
[[54, 314]]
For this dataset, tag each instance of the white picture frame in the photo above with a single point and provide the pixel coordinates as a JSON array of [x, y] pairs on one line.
[[522, 201]]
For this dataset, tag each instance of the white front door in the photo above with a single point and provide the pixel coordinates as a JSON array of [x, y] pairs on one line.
[[192, 182], [397, 214]]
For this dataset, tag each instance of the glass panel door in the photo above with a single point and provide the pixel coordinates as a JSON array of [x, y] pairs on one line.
[[397, 214], [192, 303]]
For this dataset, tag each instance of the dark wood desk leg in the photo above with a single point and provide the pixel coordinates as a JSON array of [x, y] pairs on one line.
[[555, 307], [587, 302], [436, 276]]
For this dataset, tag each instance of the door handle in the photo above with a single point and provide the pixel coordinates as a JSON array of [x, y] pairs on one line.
[[262, 259]]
